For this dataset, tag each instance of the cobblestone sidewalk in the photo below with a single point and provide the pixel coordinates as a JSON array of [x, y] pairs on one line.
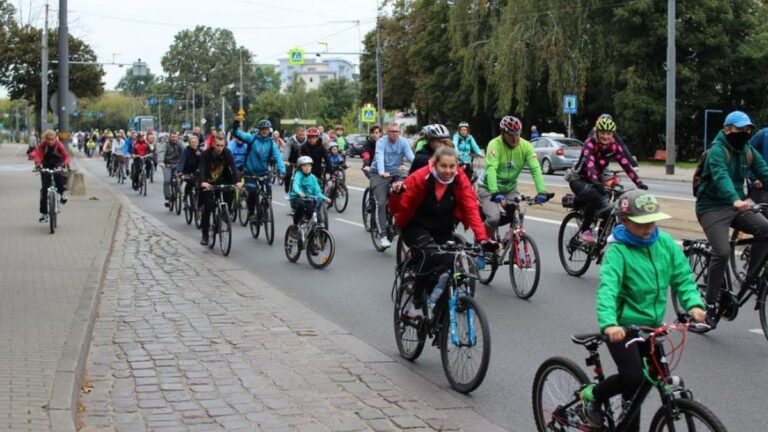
[[177, 347]]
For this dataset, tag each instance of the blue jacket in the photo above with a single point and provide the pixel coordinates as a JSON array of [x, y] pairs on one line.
[[259, 151], [760, 143], [128, 146], [466, 146], [239, 152], [337, 159], [306, 184], [390, 156]]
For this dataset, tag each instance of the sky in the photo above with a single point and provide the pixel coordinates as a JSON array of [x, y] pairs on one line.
[[125, 31]]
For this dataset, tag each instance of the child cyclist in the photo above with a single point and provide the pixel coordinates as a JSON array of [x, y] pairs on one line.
[[640, 264], [304, 185]]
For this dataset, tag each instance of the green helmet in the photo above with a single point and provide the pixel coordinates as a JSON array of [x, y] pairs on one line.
[[605, 125]]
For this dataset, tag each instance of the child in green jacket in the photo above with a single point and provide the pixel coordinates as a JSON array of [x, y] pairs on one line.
[[640, 264]]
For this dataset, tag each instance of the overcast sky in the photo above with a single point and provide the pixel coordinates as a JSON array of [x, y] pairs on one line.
[[268, 28]]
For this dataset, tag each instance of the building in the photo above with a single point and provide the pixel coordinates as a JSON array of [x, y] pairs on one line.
[[315, 71]]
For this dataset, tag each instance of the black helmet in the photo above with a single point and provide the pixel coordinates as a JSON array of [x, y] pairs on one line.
[[264, 124]]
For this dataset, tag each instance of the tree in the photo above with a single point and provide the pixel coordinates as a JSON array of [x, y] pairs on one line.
[[7, 27], [134, 85], [341, 96]]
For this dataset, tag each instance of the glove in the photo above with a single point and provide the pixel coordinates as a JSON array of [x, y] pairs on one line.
[[489, 245], [642, 186], [235, 126], [498, 198], [541, 198]]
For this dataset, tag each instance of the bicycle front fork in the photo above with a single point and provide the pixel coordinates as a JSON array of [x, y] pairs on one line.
[[453, 322]]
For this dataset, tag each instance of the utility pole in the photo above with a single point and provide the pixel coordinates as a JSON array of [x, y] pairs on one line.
[[671, 73], [44, 78], [379, 85], [160, 115], [194, 119], [241, 83], [63, 89]]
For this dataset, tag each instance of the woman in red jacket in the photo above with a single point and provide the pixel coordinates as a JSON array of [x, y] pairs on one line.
[[427, 205]]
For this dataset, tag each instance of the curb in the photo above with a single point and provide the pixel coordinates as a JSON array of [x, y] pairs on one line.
[[65, 392]]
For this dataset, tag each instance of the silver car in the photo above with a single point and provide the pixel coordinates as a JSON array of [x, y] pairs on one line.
[[557, 153]]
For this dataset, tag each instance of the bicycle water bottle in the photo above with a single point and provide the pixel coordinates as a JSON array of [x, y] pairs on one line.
[[441, 281]]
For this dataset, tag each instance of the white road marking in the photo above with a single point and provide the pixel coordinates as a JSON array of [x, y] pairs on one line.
[[355, 188], [758, 331], [657, 195], [279, 203], [357, 224]]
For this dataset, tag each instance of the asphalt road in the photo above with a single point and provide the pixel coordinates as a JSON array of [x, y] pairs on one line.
[[726, 369]]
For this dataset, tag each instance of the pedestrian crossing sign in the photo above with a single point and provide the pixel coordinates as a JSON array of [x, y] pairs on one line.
[[368, 114], [296, 56]]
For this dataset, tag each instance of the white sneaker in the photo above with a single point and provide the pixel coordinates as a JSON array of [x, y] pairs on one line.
[[287, 197], [64, 197], [384, 242]]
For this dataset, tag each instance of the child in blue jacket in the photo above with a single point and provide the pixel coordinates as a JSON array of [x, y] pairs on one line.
[[304, 185]]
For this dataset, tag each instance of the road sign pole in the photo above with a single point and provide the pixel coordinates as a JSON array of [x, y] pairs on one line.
[[160, 116], [63, 89], [570, 130]]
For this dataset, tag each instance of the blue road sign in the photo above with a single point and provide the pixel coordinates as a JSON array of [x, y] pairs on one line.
[[569, 104], [186, 125], [170, 101], [90, 114], [152, 101]]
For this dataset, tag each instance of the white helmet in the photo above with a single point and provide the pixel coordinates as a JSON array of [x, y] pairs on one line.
[[304, 160], [434, 131]]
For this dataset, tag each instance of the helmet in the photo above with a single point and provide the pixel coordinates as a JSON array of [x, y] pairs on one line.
[[264, 124], [302, 160], [463, 124], [605, 125], [313, 132], [332, 145], [436, 131], [511, 124]]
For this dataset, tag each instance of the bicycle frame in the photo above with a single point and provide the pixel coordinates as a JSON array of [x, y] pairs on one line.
[[745, 292]]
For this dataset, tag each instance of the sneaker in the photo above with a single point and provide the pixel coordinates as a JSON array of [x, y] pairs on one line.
[[590, 414], [253, 219], [287, 197], [43, 218], [64, 197], [480, 262], [167, 203], [384, 242], [204, 241], [587, 237], [711, 319]]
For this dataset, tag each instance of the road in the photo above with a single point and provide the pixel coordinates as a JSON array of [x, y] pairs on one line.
[[726, 370]]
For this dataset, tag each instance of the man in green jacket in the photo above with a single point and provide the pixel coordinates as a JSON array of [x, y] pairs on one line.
[[721, 202], [505, 157], [640, 265]]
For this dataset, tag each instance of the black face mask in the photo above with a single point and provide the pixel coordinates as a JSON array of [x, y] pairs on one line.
[[737, 139]]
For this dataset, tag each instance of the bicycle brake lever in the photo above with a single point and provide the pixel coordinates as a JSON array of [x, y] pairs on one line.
[[635, 340]]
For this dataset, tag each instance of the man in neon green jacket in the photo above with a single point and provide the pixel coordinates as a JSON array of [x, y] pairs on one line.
[[505, 157]]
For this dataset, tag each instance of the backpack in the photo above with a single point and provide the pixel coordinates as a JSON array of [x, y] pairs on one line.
[[698, 173]]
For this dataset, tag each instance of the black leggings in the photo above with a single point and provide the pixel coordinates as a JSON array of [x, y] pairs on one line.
[[629, 362], [592, 198], [432, 264], [60, 182]]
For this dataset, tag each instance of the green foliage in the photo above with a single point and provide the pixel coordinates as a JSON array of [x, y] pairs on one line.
[[134, 85], [115, 108], [341, 96]]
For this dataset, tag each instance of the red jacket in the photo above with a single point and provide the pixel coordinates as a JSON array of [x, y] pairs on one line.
[[140, 148], [60, 149], [405, 205]]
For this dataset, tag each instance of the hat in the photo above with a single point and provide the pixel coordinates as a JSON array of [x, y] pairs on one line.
[[640, 207], [738, 119]]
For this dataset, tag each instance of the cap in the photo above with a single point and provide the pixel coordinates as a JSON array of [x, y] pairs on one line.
[[640, 207], [738, 119]]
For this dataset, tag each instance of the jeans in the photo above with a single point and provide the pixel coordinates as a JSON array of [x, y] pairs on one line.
[[592, 198], [58, 179], [168, 173], [715, 224], [253, 195]]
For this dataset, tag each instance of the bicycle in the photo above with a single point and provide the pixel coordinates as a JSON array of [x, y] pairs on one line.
[[191, 200], [369, 213], [559, 381], [143, 168], [263, 214], [120, 171], [729, 302], [52, 197], [741, 253], [222, 225], [336, 189], [312, 235], [457, 324], [523, 259], [575, 255], [175, 198]]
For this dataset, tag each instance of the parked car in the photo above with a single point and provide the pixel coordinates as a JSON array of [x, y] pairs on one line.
[[555, 152], [355, 144]]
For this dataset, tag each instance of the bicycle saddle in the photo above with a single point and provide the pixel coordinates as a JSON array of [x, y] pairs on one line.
[[587, 338]]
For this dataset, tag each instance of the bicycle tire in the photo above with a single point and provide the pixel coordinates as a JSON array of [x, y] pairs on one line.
[[689, 410], [52, 211], [144, 186], [256, 226], [197, 212], [242, 208], [738, 258], [341, 200], [323, 238], [367, 215], [567, 240], [465, 384], [225, 232], [293, 243], [543, 415], [268, 217], [178, 197], [698, 259], [324, 220], [188, 212], [409, 339], [761, 306], [401, 251], [214, 224], [486, 274], [234, 206], [522, 289]]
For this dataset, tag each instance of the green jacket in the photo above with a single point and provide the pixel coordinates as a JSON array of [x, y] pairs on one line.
[[503, 166], [634, 281], [724, 173]]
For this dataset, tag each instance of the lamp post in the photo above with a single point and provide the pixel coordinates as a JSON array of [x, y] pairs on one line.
[[379, 85]]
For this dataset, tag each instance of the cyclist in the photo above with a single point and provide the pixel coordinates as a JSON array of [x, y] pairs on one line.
[[118, 150], [189, 163], [291, 154], [627, 295], [466, 146], [617, 137], [426, 206], [278, 140], [437, 136], [171, 157], [51, 154], [390, 152], [339, 138], [369, 150], [140, 148], [261, 148], [304, 185], [337, 157], [217, 167], [239, 150], [313, 148], [506, 155], [593, 161], [721, 203], [106, 151]]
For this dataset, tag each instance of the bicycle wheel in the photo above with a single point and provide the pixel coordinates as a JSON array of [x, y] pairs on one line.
[[409, 340], [268, 218], [242, 208], [574, 255], [465, 359], [698, 258], [188, 209], [367, 213], [235, 206], [761, 300], [293, 243], [225, 232], [256, 226], [197, 211], [323, 217], [52, 211], [177, 196], [342, 198], [555, 395], [401, 250], [739, 257], [321, 247], [693, 416], [144, 185], [488, 271], [215, 225], [524, 267]]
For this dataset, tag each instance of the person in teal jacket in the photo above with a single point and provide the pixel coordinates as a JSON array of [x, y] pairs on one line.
[[640, 265], [466, 145], [304, 185]]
